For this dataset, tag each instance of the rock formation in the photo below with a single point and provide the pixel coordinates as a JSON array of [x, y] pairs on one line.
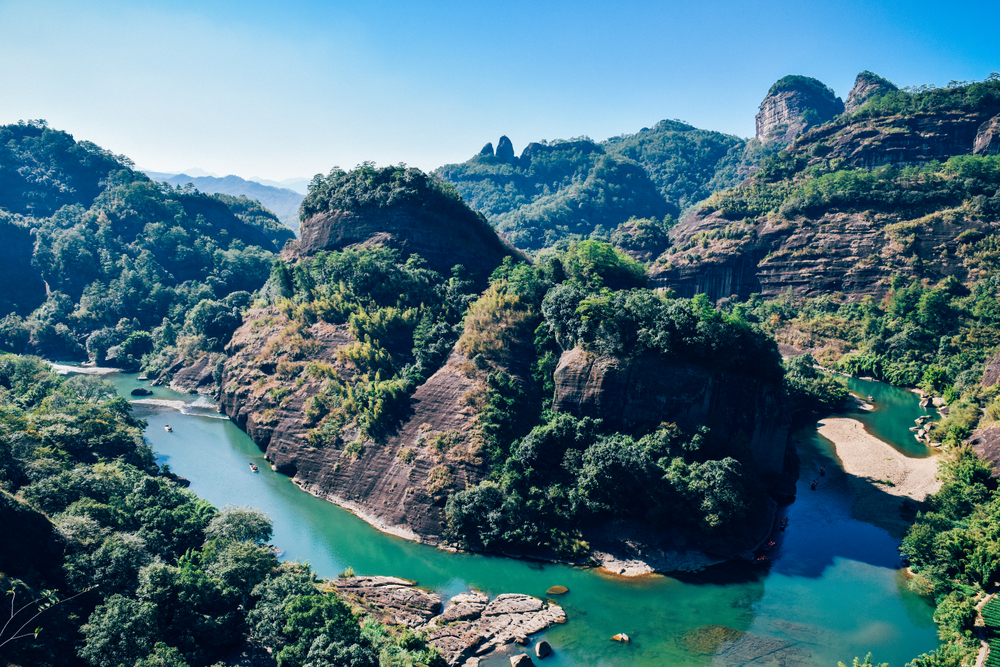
[[387, 483], [793, 105], [470, 626], [487, 149], [505, 149], [442, 235], [866, 86], [855, 252], [988, 137], [643, 392]]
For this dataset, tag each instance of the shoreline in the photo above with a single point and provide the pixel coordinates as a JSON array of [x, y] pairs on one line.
[[878, 474]]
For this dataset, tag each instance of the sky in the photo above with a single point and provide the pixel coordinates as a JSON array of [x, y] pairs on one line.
[[291, 89]]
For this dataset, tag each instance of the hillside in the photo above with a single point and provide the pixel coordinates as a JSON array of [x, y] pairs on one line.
[[283, 202], [440, 411], [105, 264], [905, 185]]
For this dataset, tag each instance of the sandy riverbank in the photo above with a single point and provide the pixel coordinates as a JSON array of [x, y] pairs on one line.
[[871, 463]]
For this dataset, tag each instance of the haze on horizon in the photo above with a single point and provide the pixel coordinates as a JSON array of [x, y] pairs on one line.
[[255, 89]]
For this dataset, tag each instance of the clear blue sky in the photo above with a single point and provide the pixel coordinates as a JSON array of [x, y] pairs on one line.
[[293, 88]]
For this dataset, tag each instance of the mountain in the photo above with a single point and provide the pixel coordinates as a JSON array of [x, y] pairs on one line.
[[524, 416], [902, 185], [298, 184], [102, 263], [282, 201]]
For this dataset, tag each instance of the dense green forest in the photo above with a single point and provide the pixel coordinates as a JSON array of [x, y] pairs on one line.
[[109, 561], [115, 268], [565, 190]]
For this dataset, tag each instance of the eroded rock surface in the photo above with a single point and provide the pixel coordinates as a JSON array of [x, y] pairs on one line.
[[855, 252], [470, 626], [786, 112], [386, 483]]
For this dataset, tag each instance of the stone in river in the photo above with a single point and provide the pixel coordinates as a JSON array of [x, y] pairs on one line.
[[520, 661], [542, 649], [141, 391], [557, 590]]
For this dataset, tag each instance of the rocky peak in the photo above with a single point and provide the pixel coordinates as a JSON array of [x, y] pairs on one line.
[[866, 86], [794, 104], [487, 149], [505, 149], [988, 137]]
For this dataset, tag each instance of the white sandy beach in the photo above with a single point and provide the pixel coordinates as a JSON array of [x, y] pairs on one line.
[[871, 463]]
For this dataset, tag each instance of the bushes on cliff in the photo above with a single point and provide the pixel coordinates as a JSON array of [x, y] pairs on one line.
[[405, 319], [565, 475]]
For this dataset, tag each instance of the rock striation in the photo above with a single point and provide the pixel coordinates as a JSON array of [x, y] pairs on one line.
[[386, 483], [854, 252], [793, 105], [632, 394], [471, 625]]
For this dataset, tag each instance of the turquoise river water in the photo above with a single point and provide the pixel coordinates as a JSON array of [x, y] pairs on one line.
[[833, 589]]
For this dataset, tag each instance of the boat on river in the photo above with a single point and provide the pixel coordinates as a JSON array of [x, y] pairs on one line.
[[167, 428], [254, 468]]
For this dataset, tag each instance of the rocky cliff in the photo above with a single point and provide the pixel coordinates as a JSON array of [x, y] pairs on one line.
[[441, 238], [855, 252], [793, 105], [747, 418], [397, 483], [866, 86], [988, 137]]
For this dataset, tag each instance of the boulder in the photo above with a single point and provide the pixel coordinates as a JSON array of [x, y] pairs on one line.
[[141, 391], [520, 661], [542, 649]]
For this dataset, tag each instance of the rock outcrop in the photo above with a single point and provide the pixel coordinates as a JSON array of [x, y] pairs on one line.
[[746, 417], [505, 150], [487, 149], [443, 237], [470, 626], [793, 105], [388, 483], [988, 138], [866, 86], [838, 251], [899, 140]]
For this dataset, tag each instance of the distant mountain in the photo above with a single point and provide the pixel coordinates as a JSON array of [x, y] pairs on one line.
[[298, 183], [283, 202]]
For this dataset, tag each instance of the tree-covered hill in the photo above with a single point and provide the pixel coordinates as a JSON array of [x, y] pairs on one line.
[[98, 256]]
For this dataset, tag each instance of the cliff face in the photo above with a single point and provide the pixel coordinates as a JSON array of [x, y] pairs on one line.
[[747, 418], [988, 137], [389, 482], [866, 86], [442, 238], [898, 140], [851, 252], [792, 107]]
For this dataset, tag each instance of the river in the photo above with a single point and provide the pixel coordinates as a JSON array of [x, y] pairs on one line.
[[833, 589]]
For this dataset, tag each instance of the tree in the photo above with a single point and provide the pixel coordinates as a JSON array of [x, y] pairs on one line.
[[245, 523]]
